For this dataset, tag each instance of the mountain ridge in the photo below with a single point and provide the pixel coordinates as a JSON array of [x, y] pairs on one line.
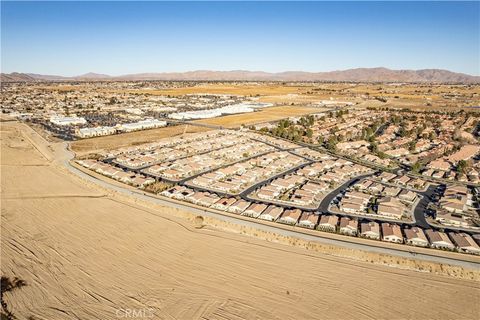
[[379, 74]]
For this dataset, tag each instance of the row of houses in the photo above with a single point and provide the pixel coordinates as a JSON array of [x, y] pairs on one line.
[[445, 167], [374, 204], [375, 188], [130, 178], [313, 154], [236, 177], [403, 181], [187, 140], [192, 165], [402, 140], [169, 149], [279, 143], [347, 126], [307, 186], [456, 207], [387, 232], [360, 150]]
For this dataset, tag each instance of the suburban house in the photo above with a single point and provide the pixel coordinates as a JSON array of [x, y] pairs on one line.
[[456, 199], [354, 202], [464, 242], [352, 207], [391, 207], [239, 206], [439, 240], [391, 191], [364, 185], [328, 223], [386, 176], [290, 216], [416, 237], [254, 210], [392, 233], [449, 218], [195, 197], [271, 213], [308, 220], [408, 196], [402, 180], [208, 199], [370, 230], [224, 203], [348, 226]]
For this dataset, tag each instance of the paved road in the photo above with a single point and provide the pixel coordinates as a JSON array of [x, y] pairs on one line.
[[419, 212], [65, 160], [250, 189], [323, 207]]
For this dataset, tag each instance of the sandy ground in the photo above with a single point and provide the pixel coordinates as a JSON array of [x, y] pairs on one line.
[[86, 254], [264, 115]]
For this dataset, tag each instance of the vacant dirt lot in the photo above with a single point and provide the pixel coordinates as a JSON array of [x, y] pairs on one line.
[[267, 114], [128, 139], [239, 89], [89, 254], [235, 89]]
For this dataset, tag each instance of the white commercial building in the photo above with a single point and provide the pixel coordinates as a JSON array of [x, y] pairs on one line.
[[212, 113], [67, 121], [142, 125], [95, 132]]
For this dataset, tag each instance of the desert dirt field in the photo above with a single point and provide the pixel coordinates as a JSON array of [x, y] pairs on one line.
[[132, 138], [264, 115], [86, 253], [235, 89]]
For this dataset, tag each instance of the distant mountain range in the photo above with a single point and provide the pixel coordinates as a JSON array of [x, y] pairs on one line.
[[350, 75]]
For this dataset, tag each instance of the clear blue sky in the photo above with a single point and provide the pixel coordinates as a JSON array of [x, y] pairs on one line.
[[71, 38]]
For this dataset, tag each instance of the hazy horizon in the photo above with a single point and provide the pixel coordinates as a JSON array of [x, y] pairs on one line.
[[238, 70], [74, 38]]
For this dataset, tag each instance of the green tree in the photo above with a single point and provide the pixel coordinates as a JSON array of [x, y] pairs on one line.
[[462, 166], [332, 143], [309, 133], [412, 145], [417, 166]]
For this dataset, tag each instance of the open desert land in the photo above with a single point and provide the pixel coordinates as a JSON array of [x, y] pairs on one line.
[[404, 95], [88, 253], [202, 88], [265, 114]]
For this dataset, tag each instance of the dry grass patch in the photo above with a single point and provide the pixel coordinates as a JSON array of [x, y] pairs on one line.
[[267, 114], [245, 90]]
